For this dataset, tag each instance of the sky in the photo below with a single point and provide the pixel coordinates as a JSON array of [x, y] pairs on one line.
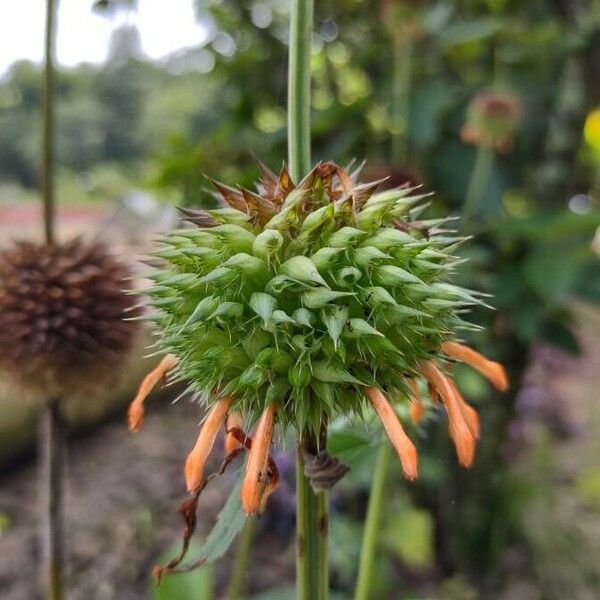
[[83, 35]]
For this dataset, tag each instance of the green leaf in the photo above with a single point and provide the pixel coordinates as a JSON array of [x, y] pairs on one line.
[[263, 305], [332, 373], [319, 298], [360, 327], [229, 523], [303, 269], [335, 318], [203, 309]]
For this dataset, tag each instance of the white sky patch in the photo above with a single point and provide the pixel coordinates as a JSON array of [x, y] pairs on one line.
[[83, 35]]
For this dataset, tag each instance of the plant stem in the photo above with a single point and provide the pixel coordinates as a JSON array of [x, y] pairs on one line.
[[51, 456], [401, 80], [312, 524], [299, 88], [371, 530], [51, 439], [312, 573], [240, 565], [48, 125], [480, 174]]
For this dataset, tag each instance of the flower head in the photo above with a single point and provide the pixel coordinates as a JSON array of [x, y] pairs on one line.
[[493, 118], [300, 302], [61, 314]]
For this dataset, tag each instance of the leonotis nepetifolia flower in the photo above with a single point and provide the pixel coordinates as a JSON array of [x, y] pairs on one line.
[[61, 314], [297, 303], [493, 118]]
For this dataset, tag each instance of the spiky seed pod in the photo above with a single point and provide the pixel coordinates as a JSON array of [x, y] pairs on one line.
[[315, 300], [493, 118], [61, 314]]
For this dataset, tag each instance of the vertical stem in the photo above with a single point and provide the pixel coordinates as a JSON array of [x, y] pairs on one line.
[[478, 182], [401, 81], [48, 125], [369, 542], [51, 430], [51, 456], [312, 524], [299, 88], [240, 566]]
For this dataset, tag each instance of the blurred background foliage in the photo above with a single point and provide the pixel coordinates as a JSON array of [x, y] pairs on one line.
[[392, 84]]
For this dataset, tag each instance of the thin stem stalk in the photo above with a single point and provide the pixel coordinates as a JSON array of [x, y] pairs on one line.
[[48, 125], [371, 531], [51, 455], [480, 174], [299, 88], [312, 525], [401, 83]]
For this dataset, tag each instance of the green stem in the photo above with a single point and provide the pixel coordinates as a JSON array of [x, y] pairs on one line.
[[240, 565], [48, 125], [478, 183], [312, 525], [299, 88], [401, 81], [371, 531]]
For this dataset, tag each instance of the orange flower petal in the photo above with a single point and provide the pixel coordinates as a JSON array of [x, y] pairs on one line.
[[493, 371], [391, 423], [196, 460], [469, 414], [258, 455], [416, 410], [234, 421], [135, 414], [464, 440]]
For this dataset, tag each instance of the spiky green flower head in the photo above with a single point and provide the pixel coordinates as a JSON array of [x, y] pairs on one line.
[[305, 294]]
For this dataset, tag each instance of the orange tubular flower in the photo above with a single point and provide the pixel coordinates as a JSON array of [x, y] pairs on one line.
[[234, 421], [416, 410], [135, 414], [469, 414], [258, 455], [463, 438], [404, 447], [196, 460], [494, 372]]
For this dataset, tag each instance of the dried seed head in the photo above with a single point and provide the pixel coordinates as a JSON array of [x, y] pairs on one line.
[[62, 310]]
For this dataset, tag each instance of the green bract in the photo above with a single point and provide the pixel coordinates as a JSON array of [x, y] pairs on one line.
[[305, 294]]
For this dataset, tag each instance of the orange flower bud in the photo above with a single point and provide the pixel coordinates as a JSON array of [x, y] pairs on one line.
[[494, 372], [135, 414], [391, 423], [416, 410], [196, 460], [234, 421], [464, 440], [258, 455]]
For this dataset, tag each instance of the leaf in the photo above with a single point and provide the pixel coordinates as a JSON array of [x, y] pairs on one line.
[[360, 327], [303, 269], [263, 305], [229, 523], [205, 307], [319, 298], [335, 318], [331, 373]]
